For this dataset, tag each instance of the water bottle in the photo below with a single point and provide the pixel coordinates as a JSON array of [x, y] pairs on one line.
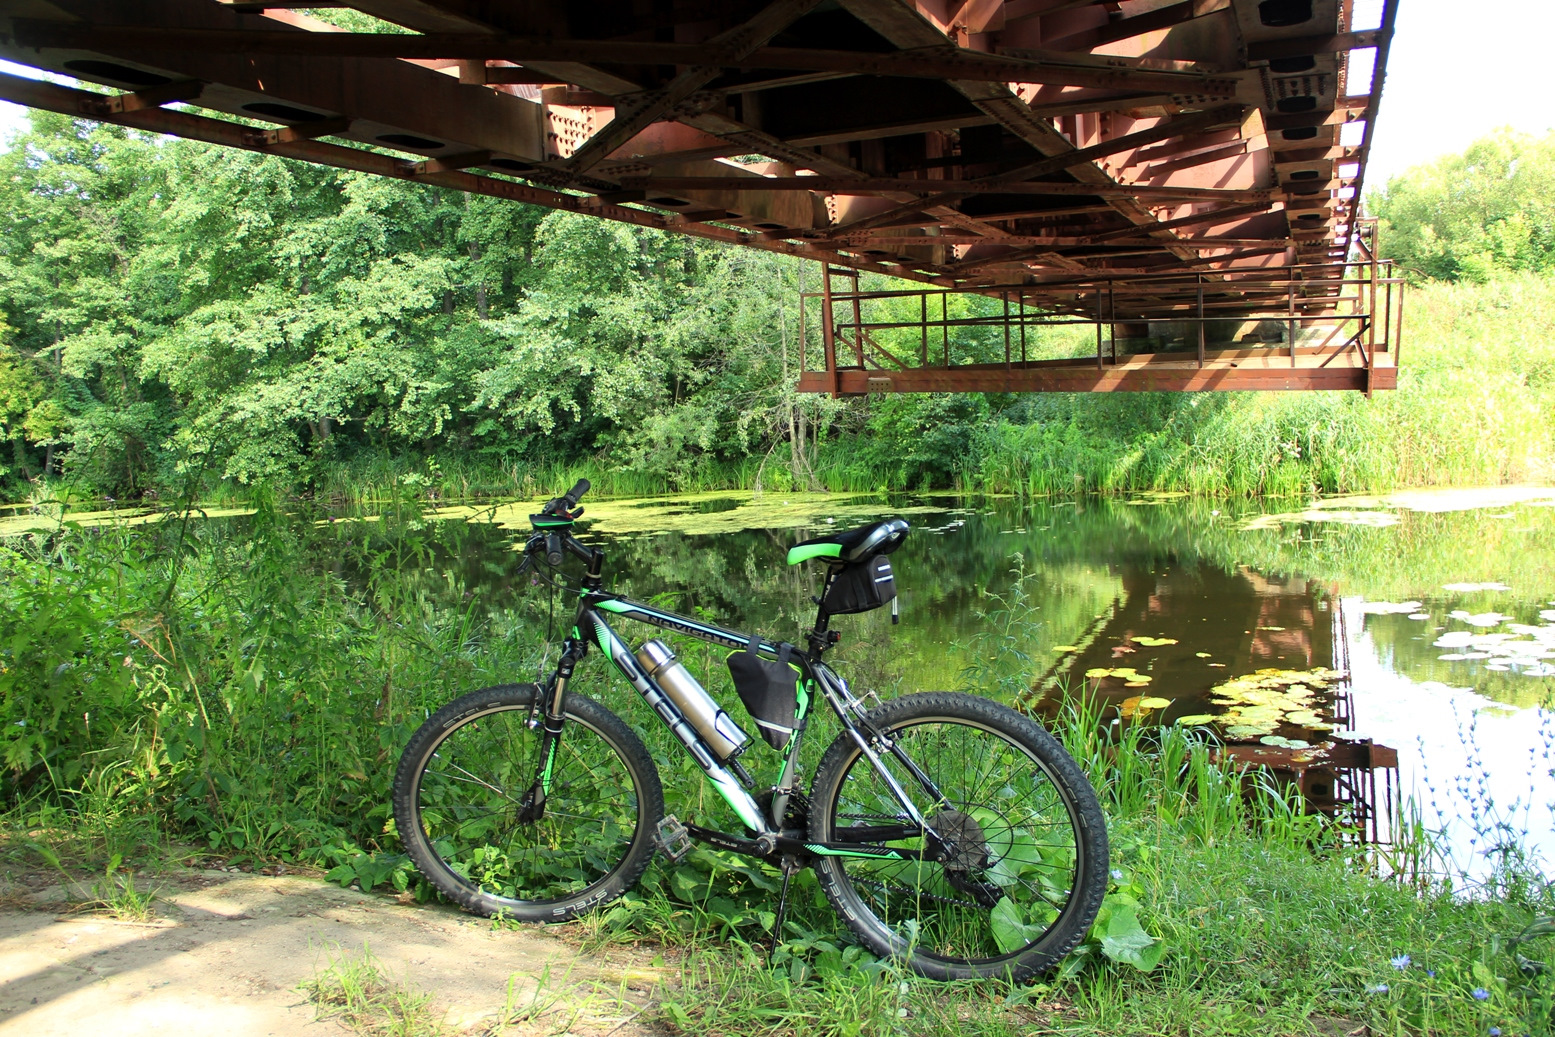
[[721, 734]]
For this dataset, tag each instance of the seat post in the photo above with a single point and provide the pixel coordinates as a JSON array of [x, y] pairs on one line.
[[818, 637]]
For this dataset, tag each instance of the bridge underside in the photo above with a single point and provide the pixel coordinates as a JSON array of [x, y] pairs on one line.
[[1057, 152]]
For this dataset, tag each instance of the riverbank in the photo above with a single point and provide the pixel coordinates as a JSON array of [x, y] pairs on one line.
[[251, 954], [1473, 407], [1260, 939], [251, 682]]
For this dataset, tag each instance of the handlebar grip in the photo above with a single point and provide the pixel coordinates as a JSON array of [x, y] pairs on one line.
[[575, 494], [553, 549]]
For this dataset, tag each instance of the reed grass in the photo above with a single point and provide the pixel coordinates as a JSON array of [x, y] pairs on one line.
[[250, 688], [1476, 392]]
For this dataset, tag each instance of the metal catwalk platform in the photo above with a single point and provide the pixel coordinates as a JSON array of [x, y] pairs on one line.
[[1020, 147], [1308, 326]]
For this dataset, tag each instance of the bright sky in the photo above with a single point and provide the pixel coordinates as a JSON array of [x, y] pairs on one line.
[[1457, 71]]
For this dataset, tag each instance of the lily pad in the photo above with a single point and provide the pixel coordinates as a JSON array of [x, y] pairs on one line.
[[1065, 648], [1153, 642], [1285, 743], [1258, 703], [1125, 673], [1133, 707], [1196, 719], [1202, 655]]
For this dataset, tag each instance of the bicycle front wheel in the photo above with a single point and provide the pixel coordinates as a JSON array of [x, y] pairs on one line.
[[1025, 865], [459, 794]]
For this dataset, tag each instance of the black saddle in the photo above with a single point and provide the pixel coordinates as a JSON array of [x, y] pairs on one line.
[[855, 545]]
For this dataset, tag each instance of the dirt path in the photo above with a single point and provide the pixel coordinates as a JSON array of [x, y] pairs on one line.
[[229, 952]]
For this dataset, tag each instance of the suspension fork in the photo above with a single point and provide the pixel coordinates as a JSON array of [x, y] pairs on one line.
[[549, 719]]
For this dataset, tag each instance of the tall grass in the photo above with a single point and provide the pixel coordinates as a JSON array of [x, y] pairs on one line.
[[1475, 397], [248, 688]]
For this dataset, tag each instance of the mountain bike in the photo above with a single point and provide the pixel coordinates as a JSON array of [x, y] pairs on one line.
[[948, 831]]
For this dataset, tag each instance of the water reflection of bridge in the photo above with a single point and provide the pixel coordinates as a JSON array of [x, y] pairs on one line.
[[1183, 175], [1226, 625]]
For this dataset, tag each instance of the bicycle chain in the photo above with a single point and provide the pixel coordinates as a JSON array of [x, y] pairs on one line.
[[919, 894], [915, 893]]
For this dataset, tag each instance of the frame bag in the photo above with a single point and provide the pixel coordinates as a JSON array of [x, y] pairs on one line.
[[861, 587], [770, 691]]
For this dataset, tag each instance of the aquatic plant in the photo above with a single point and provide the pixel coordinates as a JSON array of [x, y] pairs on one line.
[[1258, 703]]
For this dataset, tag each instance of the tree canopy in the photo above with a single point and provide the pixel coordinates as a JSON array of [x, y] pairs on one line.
[[170, 306], [1470, 215]]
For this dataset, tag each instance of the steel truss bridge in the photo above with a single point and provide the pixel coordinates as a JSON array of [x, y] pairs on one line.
[[1181, 177]]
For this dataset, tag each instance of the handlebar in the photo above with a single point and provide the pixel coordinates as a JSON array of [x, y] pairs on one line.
[[555, 542], [567, 503]]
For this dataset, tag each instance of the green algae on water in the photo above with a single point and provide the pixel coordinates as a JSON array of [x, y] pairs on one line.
[[47, 521], [717, 511]]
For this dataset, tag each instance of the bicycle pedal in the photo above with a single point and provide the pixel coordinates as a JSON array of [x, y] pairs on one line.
[[672, 838]]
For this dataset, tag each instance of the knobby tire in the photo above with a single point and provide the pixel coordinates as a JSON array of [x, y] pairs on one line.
[[1029, 865], [457, 795]]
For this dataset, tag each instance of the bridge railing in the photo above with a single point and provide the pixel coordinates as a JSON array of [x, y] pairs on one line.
[[1331, 325]]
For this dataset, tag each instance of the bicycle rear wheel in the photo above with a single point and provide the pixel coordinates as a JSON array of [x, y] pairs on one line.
[[464, 775], [1027, 864]]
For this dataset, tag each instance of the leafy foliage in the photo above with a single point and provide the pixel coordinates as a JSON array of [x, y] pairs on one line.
[[178, 316], [1473, 215], [177, 308]]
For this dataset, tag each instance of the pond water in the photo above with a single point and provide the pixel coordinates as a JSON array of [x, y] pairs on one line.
[[1424, 621]]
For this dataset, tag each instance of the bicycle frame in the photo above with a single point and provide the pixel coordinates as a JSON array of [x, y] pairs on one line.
[[591, 626]]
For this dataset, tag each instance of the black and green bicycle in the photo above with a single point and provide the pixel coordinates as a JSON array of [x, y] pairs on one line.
[[950, 832]]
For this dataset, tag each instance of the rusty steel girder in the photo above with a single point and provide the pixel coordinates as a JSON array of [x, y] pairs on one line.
[[976, 145]]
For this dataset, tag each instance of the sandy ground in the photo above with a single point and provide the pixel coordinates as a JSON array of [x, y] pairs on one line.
[[228, 952]]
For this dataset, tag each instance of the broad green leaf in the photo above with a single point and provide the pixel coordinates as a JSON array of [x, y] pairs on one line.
[[1126, 941]]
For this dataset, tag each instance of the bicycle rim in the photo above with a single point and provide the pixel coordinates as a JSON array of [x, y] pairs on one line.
[[1017, 855], [467, 800]]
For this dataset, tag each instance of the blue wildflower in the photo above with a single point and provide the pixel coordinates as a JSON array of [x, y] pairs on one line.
[[1401, 962], [1430, 973], [1480, 994], [1495, 1031], [1376, 988]]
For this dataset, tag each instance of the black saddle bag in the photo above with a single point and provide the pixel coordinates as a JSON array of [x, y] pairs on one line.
[[770, 691], [861, 587]]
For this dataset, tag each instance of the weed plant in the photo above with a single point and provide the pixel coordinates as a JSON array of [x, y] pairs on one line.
[[248, 687], [358, 992]]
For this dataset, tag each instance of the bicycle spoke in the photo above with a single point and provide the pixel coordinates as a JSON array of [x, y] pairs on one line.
[[1007, 838], [471, 819], [472, 779]]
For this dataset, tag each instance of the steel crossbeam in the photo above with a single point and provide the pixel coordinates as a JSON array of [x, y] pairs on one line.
[[1006, 146]]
